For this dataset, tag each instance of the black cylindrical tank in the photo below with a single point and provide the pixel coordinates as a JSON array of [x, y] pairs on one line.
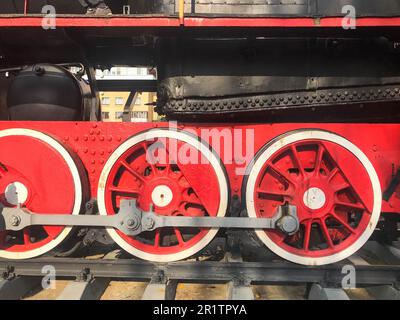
[[45, 92]]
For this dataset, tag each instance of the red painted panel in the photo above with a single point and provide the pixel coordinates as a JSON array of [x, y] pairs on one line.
[[93, 143]]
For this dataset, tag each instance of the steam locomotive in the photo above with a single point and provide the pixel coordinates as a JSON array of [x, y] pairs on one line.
[[303, 96]]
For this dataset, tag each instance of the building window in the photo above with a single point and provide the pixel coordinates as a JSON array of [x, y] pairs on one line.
[[106, 115], [119, 101], [139, 116], [118, 115], [138, 101], [105, 101]]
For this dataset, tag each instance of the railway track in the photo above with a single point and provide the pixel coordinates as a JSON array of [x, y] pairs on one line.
[[376, 270]]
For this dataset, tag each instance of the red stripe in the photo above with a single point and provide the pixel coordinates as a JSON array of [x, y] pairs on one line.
[[196, 22], [288, 22], [91, 22]]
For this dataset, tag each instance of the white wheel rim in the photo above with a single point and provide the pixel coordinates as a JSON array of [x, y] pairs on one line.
[[330, 137], [77, 184], [194, 142]]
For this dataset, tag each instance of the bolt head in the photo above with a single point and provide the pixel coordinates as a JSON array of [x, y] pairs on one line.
[[288, 224], [149, 223], [15, 221]]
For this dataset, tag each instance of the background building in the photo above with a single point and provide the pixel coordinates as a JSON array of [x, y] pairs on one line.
[[113, 103]]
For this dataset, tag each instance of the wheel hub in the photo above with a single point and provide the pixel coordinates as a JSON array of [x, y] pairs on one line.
[[314, 198], [162, 196], [16, 193]]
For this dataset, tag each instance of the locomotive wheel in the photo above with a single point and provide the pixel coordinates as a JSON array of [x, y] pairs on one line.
[[38, 173], [334, 187], [174, 188]]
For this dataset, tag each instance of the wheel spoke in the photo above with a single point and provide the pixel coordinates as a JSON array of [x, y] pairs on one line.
[[152, 165], [318, 158], [282, 193], [333, 173], [27, 237], [124, 190], [350, 205], [131, 170], [283, 175], [194, 201], [340, 186], [297, 161], [179, 236], [343, 223], [325, 231], [3, 171], [190, 198], [307, 234], [157, 238]]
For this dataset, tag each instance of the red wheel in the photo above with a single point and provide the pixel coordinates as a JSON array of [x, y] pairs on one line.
[[334, 187], [175, 187], [38, 173]]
